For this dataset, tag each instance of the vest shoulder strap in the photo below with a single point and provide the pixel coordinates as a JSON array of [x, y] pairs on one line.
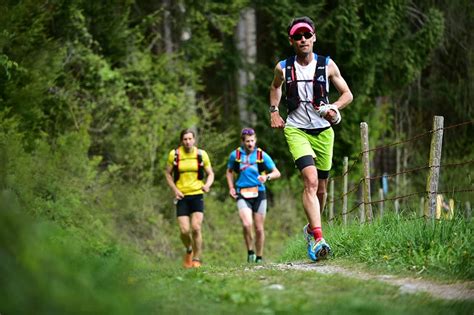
[[259, 155], [320, 81], [176, 165], [200, 164], [321, 66], [238, 159], [238, 155], [259, 161], [291, 85], [290, 74], [260, 164]]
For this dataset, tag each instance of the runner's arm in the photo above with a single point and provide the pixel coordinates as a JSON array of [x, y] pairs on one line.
[[345, 94], [229, 174], [209, 179], [275, 97], [271, 167], [274, 174], [170, 181]]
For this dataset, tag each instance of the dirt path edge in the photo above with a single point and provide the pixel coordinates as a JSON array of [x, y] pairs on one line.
[[454, 291]]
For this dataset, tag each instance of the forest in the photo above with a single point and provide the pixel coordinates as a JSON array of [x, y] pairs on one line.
[[94, 94]]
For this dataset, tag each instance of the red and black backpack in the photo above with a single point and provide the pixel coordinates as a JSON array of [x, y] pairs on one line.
[[238, 160], [200, 163], [320, 84]]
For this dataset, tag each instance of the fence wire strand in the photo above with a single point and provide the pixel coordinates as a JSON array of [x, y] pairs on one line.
[[401, 172], [348, 192], [348, 170], [358, 204], [406, 171], [401, 142], [457, 164], [417, 137], [411, 170]]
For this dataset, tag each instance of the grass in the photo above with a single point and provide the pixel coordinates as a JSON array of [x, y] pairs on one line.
[[241, 290], [441, 249], [47, 269]]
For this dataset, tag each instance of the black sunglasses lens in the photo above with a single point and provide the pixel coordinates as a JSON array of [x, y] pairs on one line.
[[307, 35], [297, 36]]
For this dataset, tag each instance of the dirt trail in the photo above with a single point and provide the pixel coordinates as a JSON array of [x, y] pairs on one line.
[[455, 291]]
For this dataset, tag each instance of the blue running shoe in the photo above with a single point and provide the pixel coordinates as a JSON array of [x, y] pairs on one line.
[[318, 250], [251, 258]]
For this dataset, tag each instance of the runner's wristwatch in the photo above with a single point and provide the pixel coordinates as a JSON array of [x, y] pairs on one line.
[[273, 109]]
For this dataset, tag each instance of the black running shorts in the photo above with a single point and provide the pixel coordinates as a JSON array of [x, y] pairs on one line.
[[258, 204], [190, 204]]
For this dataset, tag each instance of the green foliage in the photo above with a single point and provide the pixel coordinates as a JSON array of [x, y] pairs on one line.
[[61, 184], [25, 88], [55, 182], [46, 269], [448, 80], [106, 79]]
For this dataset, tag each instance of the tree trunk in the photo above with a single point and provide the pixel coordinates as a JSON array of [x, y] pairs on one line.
[[247, 45], [166, 27]]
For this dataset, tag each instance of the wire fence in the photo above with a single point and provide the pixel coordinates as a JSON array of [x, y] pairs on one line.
[[358, 198]]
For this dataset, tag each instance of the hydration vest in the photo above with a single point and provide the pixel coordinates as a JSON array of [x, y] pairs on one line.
[[320, 84], [200, 163], [259, 161]]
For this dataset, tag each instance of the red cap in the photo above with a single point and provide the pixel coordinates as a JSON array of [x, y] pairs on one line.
[[301, 27]]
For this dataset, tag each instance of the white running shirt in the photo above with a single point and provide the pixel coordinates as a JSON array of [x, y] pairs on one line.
[[305, 115]]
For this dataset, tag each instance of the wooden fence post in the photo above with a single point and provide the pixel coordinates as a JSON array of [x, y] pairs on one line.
[[468, 210], [422, 206], [325, 199], [451, 209], [361, 213], [381, 202], [439, 206], [398, 151], [345, 168], [331, 204], [364, 136], [434, 164]]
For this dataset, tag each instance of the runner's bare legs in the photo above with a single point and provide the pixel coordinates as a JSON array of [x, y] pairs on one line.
[[259, 220], [196, 223], [185, 230], [322, 193], [310, 200], [247, 224]]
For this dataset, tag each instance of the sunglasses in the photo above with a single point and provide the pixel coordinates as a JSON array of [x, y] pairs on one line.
[[307, 35], [248, 132]]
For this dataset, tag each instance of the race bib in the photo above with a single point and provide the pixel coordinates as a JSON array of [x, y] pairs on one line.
[[249, 192]]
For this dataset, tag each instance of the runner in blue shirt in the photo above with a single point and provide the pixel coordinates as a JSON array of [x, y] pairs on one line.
[[254, 167]]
